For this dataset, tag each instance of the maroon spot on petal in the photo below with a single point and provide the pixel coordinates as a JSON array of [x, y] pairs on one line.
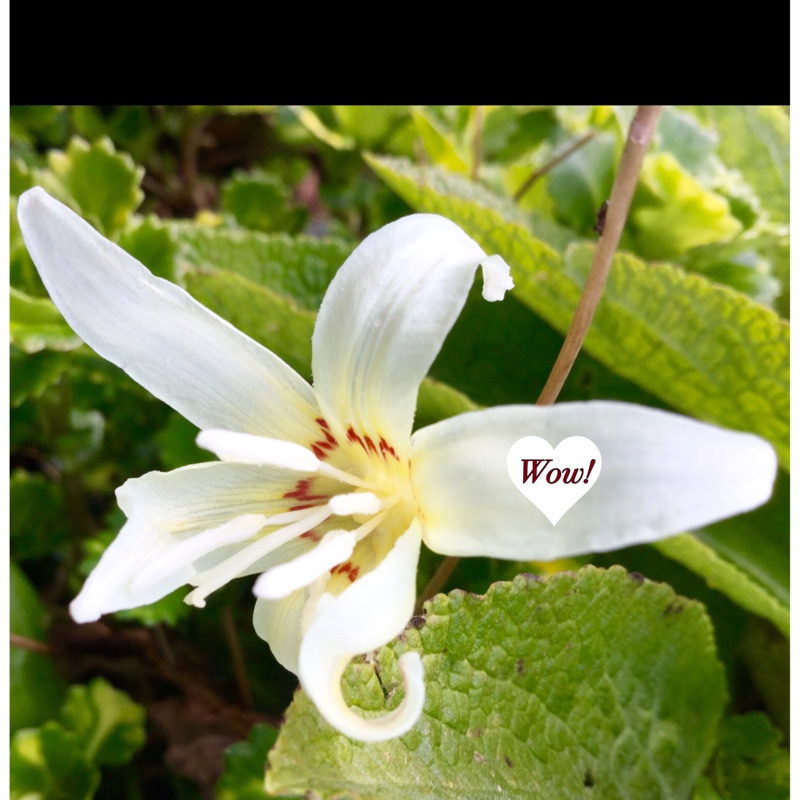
[[371, 445], [318, 452]]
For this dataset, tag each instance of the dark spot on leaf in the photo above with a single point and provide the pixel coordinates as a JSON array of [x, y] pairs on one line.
[[475, 732], [508, 761], [637, 576], [520, 665], [476, 756], [588, 779], [673, 608], [417, 622], [569, 645]]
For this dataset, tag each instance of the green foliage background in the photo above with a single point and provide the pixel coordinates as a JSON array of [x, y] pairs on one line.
[[665, 676]]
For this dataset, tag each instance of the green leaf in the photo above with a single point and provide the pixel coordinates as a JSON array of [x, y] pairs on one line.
[[596, 684], [750, 764], [724, 576], [36, 688], [107, 724], [754, 140], [269, 318], [47, 764], [702, 348], [38, 525], [580, 184], [673, 213], [31, 375], [103, 183], [36, 324], [439, 147], [151, 242], [243, 778], [766, 653], [300, 267], [260, 201]]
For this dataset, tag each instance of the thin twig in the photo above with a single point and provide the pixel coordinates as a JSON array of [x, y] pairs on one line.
[[30, 644], [554, 162], [237, 657], [476, 143], [443, 572], [639, 135], [163, 644]]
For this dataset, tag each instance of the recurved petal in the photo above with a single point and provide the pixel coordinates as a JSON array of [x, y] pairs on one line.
[[661, 474], [384, 318], [366, 615], [180, 351], [178, 522]]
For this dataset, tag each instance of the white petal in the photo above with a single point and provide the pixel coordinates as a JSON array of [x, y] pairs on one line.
[[366, 615], [183, 353], [383, 320], [248, 449], [280, 581], [662, 474], [282, 622], [178, 521]]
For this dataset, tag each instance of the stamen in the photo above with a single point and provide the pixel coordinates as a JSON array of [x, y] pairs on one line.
[[280, 581], [249, 449], [341, 475], [211, 579], [345, 505], [184, 552]]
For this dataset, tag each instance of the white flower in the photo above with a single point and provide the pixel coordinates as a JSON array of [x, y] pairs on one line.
[[325, 492]]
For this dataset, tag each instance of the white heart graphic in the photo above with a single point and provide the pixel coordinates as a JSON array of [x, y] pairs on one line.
[[554, 479]]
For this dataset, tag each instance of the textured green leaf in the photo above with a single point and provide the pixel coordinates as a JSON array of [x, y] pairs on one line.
[[103, 183], [243, 778], [724, 576], [260, 201], [596, 684], [106, 723], [749, 763], [36, 324], [754, 140], [36, 688], [300, 267], [673, 213], [47, 764], [702, 348]]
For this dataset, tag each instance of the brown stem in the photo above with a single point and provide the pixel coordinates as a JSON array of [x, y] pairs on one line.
[[443, 572], [554, 162], [639, 135], [237, 657], [30, 644]]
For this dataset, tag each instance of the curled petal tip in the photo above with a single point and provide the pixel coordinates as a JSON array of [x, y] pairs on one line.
[[496, 278], [389, 726]]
